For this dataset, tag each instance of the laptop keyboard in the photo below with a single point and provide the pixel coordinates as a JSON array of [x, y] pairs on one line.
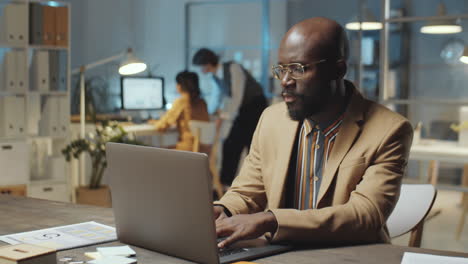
[[222, 252]]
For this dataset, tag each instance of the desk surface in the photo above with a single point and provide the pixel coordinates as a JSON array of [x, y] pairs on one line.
[[20, 214], [441, 150]]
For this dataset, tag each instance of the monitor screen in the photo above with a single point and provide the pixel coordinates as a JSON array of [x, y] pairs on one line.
[[142, 93]]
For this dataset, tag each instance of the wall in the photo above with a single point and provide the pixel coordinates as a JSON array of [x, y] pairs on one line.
[[431, 77], [155, 29]]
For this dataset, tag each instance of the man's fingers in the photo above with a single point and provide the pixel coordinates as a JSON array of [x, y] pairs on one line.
[[223, 230], [234, 237]]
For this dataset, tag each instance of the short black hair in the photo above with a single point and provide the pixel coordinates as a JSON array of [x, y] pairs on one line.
[[205, 56], [189, 83]]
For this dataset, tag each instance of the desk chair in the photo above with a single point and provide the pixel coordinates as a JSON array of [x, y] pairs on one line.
[[413, 206], [441, 129], [206, 139]]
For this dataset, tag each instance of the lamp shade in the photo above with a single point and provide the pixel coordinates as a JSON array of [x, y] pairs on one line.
[[131, 65], [464, 57], [368, 22], [444, 26]]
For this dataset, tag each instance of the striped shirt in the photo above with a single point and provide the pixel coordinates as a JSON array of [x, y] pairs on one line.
[[313, 150]]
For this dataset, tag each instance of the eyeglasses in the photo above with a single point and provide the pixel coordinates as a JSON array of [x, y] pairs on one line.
[[296, 70]]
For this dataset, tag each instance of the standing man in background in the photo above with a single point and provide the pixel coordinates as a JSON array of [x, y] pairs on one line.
[[238, 98]]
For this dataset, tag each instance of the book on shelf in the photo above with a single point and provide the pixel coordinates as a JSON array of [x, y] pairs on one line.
[[35, 23], [14, 24], [48, 25]]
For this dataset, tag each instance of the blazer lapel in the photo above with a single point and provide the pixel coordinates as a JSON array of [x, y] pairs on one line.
[[285, 146], [349, 130]]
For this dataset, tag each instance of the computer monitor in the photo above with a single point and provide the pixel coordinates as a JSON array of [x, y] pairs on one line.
[[142, 93]]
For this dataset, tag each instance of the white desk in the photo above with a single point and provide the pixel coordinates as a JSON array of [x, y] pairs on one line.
[[166, 138], [435, 151], [440, 150], [141, 129]]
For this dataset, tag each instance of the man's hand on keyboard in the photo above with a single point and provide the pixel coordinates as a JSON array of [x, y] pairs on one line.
[[244, 226], [219, 212]]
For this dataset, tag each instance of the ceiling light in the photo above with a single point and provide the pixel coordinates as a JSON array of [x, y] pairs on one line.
[[444, 26], [464, 57], [368, 22]]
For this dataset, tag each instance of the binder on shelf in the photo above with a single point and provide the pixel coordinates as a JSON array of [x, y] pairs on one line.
[[35, 23], [34, 113], [21, 71], [48, 125], [12, 116], [14, 26], [9, 72], [48, 25], [20, 115], [7, 119], [61, 26], [62, 71], [40, 71], [53, 70]]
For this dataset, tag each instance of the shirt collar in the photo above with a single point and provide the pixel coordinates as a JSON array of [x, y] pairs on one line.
[[322, 126], [219, 72]]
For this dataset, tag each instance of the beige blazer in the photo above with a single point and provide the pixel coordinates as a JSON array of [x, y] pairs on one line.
[[360, 185]]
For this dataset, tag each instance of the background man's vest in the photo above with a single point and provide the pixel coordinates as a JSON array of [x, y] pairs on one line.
[[252, 90]]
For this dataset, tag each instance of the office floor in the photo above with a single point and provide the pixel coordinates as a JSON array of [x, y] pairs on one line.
[[439, 232]]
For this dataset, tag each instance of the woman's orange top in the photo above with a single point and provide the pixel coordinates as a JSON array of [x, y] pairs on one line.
[[181, 112]]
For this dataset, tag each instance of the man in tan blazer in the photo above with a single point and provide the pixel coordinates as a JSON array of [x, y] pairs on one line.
[[352, 179]]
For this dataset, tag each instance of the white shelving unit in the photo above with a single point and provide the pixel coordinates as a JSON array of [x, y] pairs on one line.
[[46, 112]]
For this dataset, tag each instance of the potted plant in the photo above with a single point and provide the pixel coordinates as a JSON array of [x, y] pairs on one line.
[[95, 145]]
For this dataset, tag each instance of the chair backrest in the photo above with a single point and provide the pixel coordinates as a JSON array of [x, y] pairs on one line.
[[206, 139], [206, 131], [414, 204]]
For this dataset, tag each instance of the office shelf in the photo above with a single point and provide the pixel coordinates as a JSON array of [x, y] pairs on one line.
[[3, 93], [46, 102], [47, 47], [53, 93]]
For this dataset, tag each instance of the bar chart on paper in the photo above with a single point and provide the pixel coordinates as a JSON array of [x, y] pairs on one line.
[[65, 237]]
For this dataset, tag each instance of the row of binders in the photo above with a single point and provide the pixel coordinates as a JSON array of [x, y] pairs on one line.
[[48, 71], [47, 116], [55, 117], [34, 23], [12, 116]]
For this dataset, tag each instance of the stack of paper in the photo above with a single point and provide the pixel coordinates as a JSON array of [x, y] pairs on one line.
[[112, 255], [113, 260], [417, 258], [65, 237]]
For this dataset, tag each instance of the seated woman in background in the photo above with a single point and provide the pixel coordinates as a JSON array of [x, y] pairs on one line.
[[189, 106]]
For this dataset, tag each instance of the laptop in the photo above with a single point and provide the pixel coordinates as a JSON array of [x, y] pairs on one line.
[[162, 201]]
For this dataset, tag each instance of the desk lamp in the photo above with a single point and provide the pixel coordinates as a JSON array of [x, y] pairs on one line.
[[129, 65]]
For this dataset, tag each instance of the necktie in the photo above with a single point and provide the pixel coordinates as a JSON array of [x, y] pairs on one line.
[[304, 187]]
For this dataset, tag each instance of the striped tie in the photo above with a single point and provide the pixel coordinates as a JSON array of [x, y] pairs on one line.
[[314, 148], [304, 168]]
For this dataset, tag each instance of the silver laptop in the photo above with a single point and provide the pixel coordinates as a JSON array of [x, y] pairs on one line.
[[162, 201]]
